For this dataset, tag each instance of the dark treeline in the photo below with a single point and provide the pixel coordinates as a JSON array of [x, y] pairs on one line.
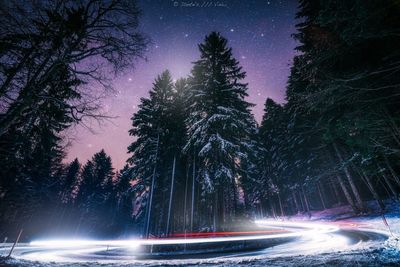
[[54, 57], [199, 160], [336, 139]]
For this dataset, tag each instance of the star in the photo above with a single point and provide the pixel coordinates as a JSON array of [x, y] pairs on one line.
[[186, 35], [232, 30], [130, 79]]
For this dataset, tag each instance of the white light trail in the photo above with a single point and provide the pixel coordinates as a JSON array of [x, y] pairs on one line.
[[305, 238], [312, 229]]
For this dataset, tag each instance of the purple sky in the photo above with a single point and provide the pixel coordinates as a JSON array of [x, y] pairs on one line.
[[259, 32]]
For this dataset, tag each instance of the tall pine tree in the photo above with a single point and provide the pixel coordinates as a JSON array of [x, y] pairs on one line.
[[156, 151], [219, 124]]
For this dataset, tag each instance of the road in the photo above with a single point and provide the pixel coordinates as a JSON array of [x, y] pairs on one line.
[[271, 240]]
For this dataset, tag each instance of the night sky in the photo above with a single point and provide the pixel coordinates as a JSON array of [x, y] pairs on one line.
[[259, 31]]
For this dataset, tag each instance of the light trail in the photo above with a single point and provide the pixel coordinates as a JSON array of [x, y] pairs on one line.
[[280, 238], [312, 229], [212, 234]]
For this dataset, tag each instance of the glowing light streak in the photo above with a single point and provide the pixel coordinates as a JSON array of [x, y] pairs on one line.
[[311, 230], [311, 238], [212, 234]]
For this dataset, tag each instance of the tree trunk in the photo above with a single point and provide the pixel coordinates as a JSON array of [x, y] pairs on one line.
[[295, 202], [320, 196], [395, 129], [347, 193], [307, 204], [372, 189], [171, 196], [359, 202], [342, 184], [221, 208], [385, 187], [303, 209], [280, 205], [185, 201], [215, 211], [336, 191], [391, 187], [193, 188], [394, 175], [235, 202], [147, 231], [272, 209]]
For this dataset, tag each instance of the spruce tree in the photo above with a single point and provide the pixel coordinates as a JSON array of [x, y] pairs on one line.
[[96, 193], [272, 139], [149, 151], [219, 124], [32, 151], [124, 199], [70, 180]]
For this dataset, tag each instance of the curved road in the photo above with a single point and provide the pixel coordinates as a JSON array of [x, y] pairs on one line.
[[271, 239]]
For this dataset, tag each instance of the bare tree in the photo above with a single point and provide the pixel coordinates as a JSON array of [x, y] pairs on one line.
[[93, 38]]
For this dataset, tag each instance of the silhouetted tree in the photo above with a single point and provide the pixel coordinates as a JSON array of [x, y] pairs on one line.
[[219, 124]]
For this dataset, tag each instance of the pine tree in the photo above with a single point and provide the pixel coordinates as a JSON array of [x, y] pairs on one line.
[[219, 124], [69, 181], [153, 127], [95, 194], [341, 124], [124, 200], [32, 151], [272, 139]]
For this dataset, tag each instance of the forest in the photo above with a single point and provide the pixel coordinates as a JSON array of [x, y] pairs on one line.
[[199, 161]]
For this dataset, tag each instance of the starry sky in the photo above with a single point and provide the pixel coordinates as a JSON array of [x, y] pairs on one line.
[[259, 32]]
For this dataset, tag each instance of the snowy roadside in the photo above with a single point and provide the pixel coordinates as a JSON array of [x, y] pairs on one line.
[[374, 254], [344, 214], [370, 254]]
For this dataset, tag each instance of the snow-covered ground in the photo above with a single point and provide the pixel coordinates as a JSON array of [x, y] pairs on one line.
[[344, 214], [369, 253], [373, 254]]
